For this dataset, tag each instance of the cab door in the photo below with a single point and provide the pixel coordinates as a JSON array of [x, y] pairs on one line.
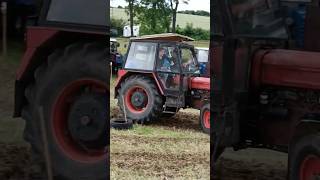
[[189, 66], [169, 74]]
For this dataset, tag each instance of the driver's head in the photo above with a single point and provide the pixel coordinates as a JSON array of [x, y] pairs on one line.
[[161, 52]]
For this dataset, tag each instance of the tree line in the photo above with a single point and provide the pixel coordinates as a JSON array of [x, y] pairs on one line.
[[198, 13], [156, 16]]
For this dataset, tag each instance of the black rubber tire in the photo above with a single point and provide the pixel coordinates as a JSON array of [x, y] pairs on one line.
[[168, 115], [76, 61], [120, 124], [299, 150], [201, 119], [154, 107]]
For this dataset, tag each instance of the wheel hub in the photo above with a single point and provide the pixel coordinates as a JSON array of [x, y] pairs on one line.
[[138, 99], [206, 117], [87, 121]]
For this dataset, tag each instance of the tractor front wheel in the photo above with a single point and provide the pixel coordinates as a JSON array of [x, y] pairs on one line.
[[304, 158], [139, 99], [70, 87], [205, 118]]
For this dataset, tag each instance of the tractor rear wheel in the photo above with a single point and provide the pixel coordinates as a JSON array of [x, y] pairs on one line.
[[304, 158], [71, 88], [205, 118], [139, 99]]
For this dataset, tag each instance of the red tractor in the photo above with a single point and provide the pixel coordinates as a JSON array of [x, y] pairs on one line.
[[266, 89], [64, 72], [161, 75]]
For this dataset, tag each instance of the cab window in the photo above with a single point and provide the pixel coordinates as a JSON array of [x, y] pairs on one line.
[[188, 61], [141, 56]]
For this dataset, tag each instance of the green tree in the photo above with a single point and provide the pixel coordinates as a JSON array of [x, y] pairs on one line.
[[174, 4], [118, 25], [131, 13], [195, 33], [153, 16]]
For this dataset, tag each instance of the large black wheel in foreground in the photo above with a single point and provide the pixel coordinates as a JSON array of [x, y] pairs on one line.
[[71, 87], [304, 158], [139, 99]]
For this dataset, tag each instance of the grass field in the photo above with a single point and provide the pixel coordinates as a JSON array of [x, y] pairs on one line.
[[182, 19], [172, 148]]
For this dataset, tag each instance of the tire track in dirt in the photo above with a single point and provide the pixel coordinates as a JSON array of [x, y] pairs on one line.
[[158, 164], [185, 120], [230, 169], [144, 139]]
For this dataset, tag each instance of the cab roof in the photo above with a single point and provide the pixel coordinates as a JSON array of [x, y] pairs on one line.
[[165, 37]]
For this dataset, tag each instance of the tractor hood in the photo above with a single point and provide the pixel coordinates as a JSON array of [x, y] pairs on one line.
[[299, 69], [200, 83]]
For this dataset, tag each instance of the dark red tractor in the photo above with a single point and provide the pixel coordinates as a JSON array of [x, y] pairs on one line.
[[161, 75], [266, 88], [64, 72]]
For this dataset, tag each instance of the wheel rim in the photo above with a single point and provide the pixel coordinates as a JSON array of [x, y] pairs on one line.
[[60, 118], [206, 119], [310, 168], [136, 99]]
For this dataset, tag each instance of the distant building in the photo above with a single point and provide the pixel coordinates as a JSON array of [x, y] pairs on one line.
[[127, 31]]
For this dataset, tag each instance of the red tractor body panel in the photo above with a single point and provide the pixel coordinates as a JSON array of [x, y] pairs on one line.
[[199, 83], [36, 36], [288, 68]]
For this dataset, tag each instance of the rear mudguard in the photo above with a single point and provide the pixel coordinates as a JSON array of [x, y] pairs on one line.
[[41, 42]]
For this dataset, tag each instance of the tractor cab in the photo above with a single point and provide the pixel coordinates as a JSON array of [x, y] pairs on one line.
[[169, 58], [167, 65]]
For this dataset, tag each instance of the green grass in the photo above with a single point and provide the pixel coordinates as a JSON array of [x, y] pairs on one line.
[[182, 19]]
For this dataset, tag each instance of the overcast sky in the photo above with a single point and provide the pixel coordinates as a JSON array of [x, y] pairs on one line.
[[193, 5]]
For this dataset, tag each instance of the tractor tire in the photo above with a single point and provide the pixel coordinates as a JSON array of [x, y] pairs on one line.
[[120, 124], [304, 158], [70, 87], [142, 101], [172, 112], [205, 118]]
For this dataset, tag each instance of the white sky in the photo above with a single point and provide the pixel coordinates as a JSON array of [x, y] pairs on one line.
[[192, 5]]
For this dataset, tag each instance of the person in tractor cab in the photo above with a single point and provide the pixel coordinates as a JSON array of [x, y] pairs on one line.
[[164, 60], [167, 64]]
